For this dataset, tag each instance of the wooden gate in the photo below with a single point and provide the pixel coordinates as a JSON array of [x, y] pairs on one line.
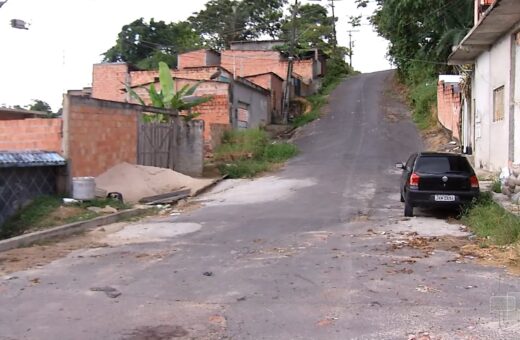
[[155, 144]]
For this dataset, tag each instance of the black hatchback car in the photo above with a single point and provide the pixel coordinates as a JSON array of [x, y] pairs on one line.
[[432, 179]]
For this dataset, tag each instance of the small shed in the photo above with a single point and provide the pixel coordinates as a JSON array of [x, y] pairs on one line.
[[25, 175]]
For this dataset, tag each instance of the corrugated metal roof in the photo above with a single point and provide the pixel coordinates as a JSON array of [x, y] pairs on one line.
[[30, 158]]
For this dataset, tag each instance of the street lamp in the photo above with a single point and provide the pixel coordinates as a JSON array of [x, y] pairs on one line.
[[19, 24]]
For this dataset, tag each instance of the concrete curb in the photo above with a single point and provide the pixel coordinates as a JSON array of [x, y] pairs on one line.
[[73, 228], [209, 186], [67, 229]]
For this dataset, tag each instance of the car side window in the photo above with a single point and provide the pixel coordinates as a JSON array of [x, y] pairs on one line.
[[409, 163]]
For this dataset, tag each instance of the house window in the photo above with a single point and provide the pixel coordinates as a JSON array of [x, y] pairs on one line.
[[498, 104]]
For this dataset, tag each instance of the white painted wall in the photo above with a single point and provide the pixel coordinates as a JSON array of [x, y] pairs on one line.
[[481, 97], [517, 106], [492, 70], [500, 67]]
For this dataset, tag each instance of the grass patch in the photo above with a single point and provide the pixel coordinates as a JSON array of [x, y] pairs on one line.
[[423, 97], [48, 211], [489, 220], [245, 153]]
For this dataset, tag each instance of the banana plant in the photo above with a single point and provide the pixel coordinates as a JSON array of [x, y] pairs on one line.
[[168, 98]]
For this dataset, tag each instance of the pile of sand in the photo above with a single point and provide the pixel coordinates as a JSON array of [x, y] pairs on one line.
[[137, 181]]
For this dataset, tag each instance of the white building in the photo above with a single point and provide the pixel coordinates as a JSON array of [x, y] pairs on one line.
[[491, 110]]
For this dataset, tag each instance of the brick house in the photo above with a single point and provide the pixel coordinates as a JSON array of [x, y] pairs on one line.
[[247, 58], [236, 102]]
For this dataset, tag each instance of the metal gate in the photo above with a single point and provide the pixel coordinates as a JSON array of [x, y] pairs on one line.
[[156, 144]]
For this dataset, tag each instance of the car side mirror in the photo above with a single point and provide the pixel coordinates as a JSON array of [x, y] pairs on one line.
[[400, 166]]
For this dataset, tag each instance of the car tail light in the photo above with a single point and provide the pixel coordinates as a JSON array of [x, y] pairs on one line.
[[414, 180], [474, 181]]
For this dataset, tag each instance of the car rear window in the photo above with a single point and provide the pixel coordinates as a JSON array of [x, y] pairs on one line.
[[442, 164]]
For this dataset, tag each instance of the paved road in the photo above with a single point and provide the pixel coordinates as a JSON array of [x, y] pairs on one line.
[[311, 252]]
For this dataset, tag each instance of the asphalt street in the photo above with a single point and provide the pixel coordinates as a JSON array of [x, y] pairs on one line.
[[316, 250]]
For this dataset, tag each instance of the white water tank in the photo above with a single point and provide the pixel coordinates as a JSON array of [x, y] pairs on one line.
[[83, 188]]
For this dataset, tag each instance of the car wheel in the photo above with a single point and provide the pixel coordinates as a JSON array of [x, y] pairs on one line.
[[408, 209]]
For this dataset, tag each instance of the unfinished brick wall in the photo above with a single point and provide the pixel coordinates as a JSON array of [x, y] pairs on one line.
[[213, 112], [449, 107], [31, 134], [99, 134], [198, 58], [108, 81], [142, 77], [304, 68], [247, 63]]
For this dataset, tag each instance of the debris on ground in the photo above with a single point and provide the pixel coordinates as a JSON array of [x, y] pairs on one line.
[[111, 292], [146, 181], [420, 336], [426, 289]]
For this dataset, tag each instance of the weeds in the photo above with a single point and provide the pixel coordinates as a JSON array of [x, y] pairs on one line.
[[43, 212], [422, 98], [245, 153], [489, 220], [496, 186]]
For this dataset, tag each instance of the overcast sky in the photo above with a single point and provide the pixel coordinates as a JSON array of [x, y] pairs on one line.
[[67, 36]]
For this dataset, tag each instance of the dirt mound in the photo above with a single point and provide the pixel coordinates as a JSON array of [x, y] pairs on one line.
[[138, 181]]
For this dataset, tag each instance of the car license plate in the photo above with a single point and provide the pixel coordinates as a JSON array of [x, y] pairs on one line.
[[444, 198]]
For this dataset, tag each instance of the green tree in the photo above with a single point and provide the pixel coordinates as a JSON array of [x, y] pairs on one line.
[[144, 44], [39, 105], [422, 32], [168, 98], [313, 28], [224, 21]]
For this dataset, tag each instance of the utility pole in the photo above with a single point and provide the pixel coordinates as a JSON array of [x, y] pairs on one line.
[[288, 80], [350, 45], [334, 35]]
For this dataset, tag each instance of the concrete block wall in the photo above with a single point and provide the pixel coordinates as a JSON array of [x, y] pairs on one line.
[[274, 84], [449, 107], [188, 148], [98, 134], [31, 134]]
